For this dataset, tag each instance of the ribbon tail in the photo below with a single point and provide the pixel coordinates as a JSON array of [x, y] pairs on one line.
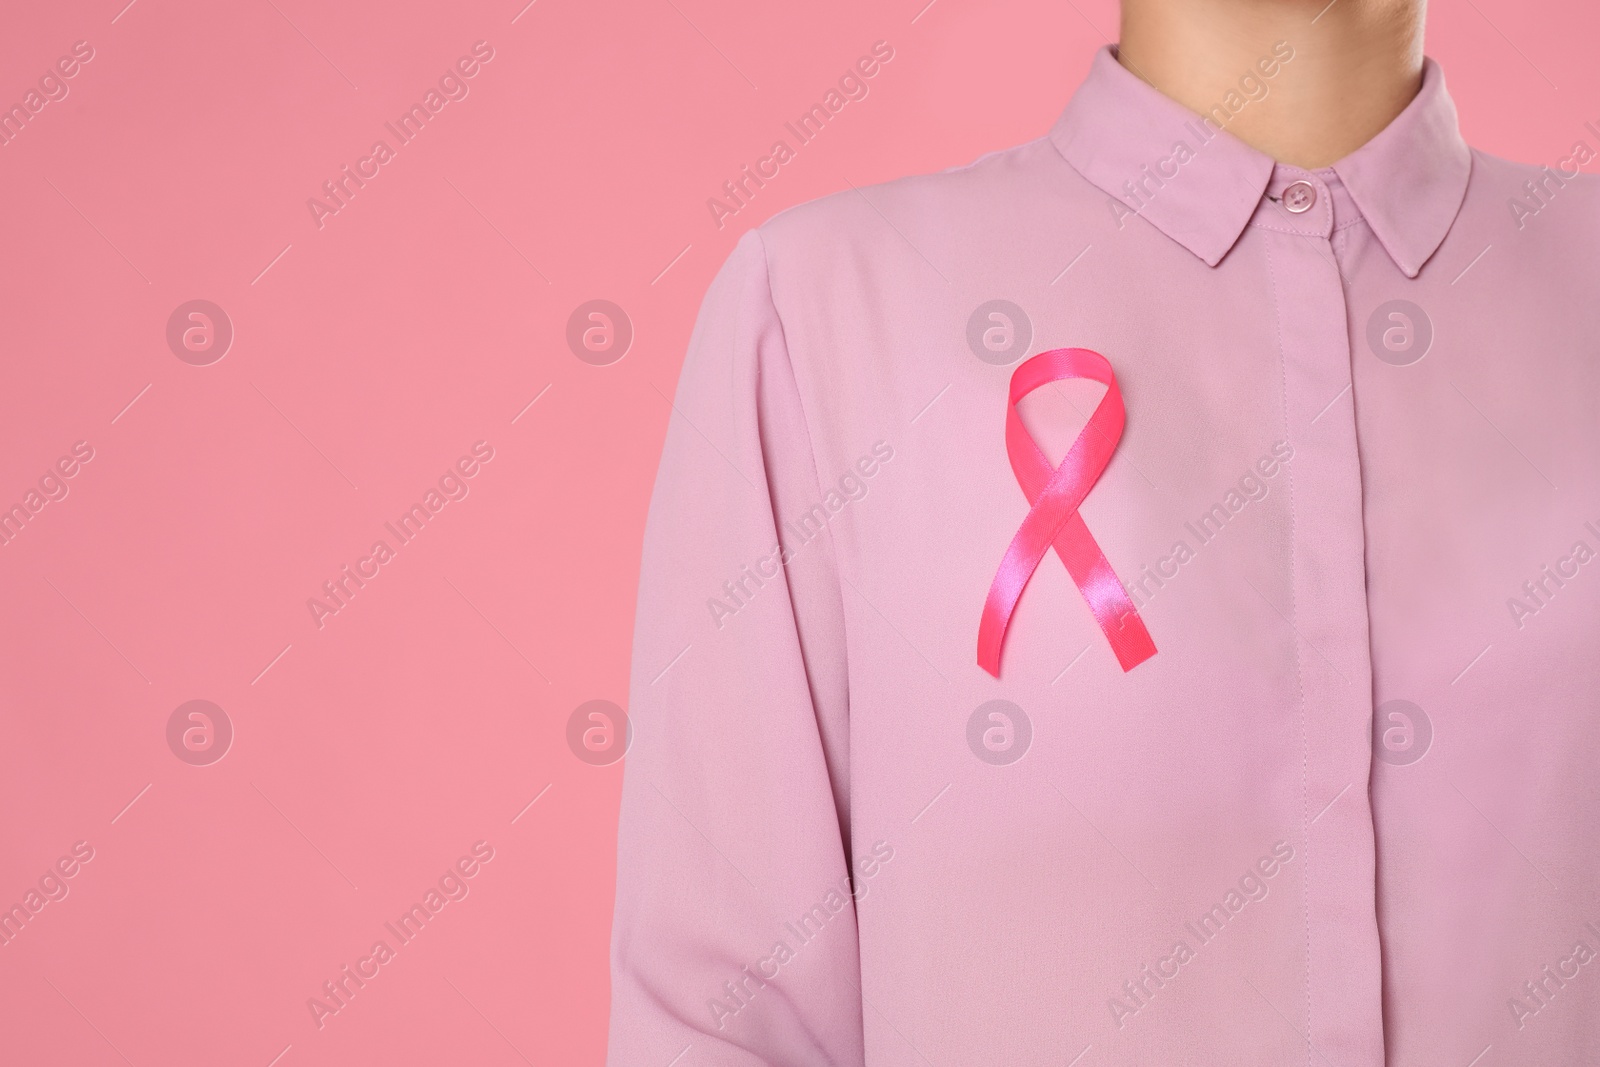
[[1107, 599], [1023, 556]]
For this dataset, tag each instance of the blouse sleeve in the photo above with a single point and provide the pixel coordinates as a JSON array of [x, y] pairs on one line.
[[734, 937]]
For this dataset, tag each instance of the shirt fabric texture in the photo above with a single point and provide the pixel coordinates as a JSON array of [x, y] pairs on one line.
[[1347, 816]]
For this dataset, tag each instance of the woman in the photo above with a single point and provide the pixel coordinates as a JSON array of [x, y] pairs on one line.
[[975, 726]]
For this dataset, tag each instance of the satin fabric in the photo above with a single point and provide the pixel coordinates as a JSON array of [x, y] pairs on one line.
[[1055, 494]]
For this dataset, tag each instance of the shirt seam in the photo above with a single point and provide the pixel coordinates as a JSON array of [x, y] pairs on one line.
[[1299, 670], [800, 400], [1280, 229], [838, 556]]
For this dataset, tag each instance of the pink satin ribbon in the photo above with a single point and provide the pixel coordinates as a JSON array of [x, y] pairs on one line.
[[1056, 494]]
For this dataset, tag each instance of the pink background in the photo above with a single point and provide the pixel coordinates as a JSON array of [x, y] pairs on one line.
[[369, 354]]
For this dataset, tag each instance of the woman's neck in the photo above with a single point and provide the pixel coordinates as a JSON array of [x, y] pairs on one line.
[[1355, 65]]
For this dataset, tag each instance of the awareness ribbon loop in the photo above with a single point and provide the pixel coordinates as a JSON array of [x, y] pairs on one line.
[[1053, 520]]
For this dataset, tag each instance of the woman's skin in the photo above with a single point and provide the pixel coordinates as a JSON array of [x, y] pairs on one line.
[[1356, 65]]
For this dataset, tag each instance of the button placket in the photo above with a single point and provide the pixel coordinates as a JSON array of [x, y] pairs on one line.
[[1329, 612]]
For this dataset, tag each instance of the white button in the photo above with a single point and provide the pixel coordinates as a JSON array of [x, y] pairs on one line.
[[1299, 197]]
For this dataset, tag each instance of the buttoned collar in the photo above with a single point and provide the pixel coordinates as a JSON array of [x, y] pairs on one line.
[[1124, 136]]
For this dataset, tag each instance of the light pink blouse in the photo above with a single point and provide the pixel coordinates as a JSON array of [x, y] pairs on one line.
[[1347, 816]]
